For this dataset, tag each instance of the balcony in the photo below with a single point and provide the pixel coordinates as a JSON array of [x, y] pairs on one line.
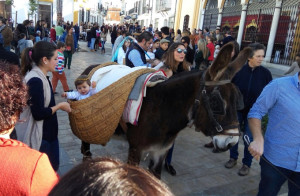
[[163, 5], [131, 11]]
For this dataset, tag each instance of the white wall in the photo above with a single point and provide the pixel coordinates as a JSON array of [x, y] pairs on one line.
[[20, 9], [68, 10]]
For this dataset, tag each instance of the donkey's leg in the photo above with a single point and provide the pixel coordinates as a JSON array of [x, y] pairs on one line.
[[155, 166], [134, 156]]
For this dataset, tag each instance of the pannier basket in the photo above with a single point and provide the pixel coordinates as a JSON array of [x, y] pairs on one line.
[[95, 118]]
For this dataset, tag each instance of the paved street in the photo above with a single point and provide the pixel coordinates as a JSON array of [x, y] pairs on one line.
[[199, 171]]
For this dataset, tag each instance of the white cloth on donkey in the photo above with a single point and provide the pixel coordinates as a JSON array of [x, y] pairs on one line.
[[105, 76]]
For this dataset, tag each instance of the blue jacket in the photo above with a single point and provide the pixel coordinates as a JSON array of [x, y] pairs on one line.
[[251, 83]]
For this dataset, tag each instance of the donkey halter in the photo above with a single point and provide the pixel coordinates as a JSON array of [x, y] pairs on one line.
[[217, 100]]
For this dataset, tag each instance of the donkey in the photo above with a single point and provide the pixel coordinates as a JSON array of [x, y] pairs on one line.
[[206, 99]]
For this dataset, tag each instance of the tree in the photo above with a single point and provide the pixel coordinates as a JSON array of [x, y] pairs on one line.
[[33, 6]]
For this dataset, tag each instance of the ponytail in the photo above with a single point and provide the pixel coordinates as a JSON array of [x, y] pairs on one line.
[[26, 60], [40, 49]]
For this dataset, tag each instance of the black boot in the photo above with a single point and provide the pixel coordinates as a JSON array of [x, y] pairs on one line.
[[85, 151], [170, 169]]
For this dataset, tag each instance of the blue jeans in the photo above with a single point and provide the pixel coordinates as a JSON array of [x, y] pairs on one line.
[[272, 180], [247, 160], [92, 43], [89, 44], [52, 150], [169, 155], [102, 44]]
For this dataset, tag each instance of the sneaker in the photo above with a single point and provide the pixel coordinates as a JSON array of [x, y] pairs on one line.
[[244, 171], [209, 145], [231, 163]]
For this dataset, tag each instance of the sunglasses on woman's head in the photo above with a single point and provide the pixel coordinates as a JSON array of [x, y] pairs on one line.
[[179, 50]]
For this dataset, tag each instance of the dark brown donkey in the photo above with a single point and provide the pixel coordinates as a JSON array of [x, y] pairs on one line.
[[205, 99]]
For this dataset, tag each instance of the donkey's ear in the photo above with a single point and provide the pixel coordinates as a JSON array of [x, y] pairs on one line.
[[221, 62], [240, 60]]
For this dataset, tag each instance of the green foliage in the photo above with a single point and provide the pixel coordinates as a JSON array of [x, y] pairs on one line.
[[33, 6], [9, 2]]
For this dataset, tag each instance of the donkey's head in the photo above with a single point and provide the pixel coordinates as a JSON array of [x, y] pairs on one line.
[[219, 99]]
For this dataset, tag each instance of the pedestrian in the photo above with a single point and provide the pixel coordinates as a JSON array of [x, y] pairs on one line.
[[189, 57], [8, 56], [250, 80], [135, 57], [113, 35], [278, 148], [40, 128], [163, 47], [165, 31], [210, 45], [53, 34], [70, 49], [21, 43], [59, 30], [177, 38], [6, 33], [93, 36], [201, 56], [107, 176], [295, 67], [174, 60], [59, 73], [24, 171], [103, 35]]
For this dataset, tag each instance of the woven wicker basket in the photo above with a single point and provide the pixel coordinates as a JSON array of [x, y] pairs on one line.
[[95, 118]]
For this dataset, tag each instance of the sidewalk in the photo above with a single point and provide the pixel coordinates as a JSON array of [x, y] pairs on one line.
[[199, 171]]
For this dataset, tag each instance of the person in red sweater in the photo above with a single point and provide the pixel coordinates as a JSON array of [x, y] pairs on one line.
[[53, 34], [211, 47], [24, 171]]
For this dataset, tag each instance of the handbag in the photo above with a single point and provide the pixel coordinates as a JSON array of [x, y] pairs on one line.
[[68, 48]]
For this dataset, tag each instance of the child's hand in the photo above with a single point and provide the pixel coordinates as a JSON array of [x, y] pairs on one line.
[[94, 84], [64, 95]]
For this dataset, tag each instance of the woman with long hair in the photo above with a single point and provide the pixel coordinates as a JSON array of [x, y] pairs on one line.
[[41, 127], [201, 56], [103, 35], [24, 171], [70, 49], [173, 62]]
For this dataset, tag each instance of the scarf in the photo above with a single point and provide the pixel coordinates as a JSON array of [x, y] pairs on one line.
[[29, 130]]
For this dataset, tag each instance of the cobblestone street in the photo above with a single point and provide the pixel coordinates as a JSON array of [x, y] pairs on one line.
[[199, 171]]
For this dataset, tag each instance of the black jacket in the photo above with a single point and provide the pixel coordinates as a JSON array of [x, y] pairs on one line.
[[251, 83], [9, 57], [140, 50]]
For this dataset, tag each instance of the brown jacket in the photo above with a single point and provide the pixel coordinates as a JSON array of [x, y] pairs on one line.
[[7, 35], [70, 42]]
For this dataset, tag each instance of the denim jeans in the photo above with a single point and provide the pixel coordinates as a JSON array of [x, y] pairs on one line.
[[92, 43], [247, 160], [272, 180], [102, 44], [169, 155], [52, 150]]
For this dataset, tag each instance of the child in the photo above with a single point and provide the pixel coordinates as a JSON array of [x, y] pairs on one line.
[[22, 43], [217, 50], [82, 84], [164, 44], [30, 41], [38, 36], [59, 73], [155, 45]]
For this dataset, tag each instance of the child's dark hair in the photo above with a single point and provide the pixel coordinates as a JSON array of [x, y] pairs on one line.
[[22, 35], [157, 40], [82, 79], [60, 45], [35, 54]]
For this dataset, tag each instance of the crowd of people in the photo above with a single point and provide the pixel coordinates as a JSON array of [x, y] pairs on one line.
[[30, 108]]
